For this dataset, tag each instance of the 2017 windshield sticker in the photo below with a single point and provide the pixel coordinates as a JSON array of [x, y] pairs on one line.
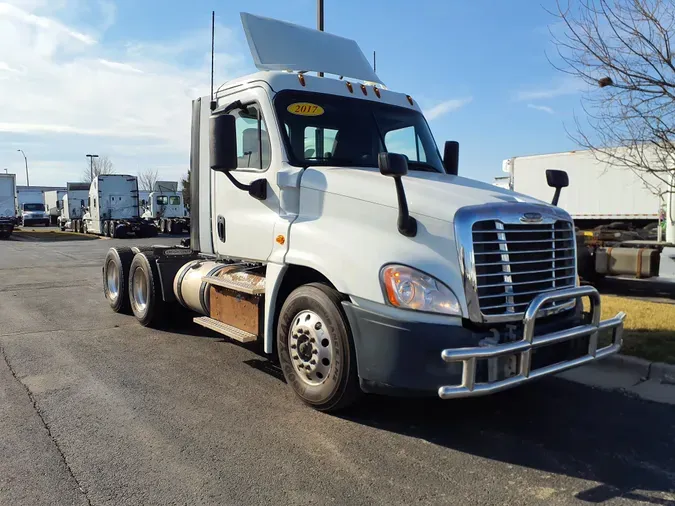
[[305, 109]]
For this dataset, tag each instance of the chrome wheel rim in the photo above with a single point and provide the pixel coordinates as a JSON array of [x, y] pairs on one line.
[[139, 291], [311, 348], [112, 280]]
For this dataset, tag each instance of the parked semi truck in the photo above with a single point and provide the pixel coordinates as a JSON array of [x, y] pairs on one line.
[[74, 202], [7, 205], [54, 204], [326, 226], [165, 208], [113, 209]]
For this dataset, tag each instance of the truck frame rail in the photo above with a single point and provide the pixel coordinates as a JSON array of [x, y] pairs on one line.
[[524, 347]]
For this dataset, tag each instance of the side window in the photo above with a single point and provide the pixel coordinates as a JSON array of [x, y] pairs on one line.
[[162, 200], [253, 140], [406, 142], [319, 142], [174, 200]]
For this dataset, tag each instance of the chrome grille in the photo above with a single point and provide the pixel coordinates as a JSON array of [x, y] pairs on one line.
[[515, 262]]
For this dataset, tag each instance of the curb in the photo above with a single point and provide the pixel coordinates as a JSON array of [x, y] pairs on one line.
[[644, 368]]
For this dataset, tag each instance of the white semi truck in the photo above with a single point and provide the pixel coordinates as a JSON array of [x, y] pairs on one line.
[[165, 208], [113, 209], [74, 202], [32, 207], [7, 205], [327, 227], [54, 204]]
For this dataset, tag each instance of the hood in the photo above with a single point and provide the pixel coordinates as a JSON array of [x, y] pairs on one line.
[[430, 194]]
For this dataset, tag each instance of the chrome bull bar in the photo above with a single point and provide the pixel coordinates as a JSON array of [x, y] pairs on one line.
[[525, 346]]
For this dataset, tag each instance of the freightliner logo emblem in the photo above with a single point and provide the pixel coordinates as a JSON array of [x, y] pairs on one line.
[[531, 218]]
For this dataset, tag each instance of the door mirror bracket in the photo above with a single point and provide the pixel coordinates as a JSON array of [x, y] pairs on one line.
[[257, 189]]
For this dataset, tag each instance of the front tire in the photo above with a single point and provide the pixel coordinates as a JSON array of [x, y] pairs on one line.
[[144, 290], [316, 349], [115, 278]]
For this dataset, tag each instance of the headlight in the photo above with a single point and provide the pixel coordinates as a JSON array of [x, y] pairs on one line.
[[409, 288]]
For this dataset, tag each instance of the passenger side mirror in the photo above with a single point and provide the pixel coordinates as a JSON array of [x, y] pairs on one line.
[[396, 165], [223, 143], [451, 157], [557, 179]]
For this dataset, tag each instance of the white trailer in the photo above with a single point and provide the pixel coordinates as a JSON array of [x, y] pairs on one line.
[[7, 204], [326, 227], [54, 204], [599, 192], [32, 207], [113, 208], [74, 202], [166, 208]]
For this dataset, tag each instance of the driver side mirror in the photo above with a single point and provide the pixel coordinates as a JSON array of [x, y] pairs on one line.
[[392, 164], [557, 179], [223, 142]]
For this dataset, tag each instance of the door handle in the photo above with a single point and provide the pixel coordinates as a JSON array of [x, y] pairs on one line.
[[221, 228]]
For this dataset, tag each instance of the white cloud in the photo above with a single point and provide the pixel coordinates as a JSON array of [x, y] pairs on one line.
[[567, 86], [75, 94], [543, 108], [445, 107]]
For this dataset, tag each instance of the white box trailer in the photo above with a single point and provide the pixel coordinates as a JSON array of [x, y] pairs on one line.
[[74, 202], [7, 204], [363, 263], [113, 208], [54, 204], [598, 192], [32, 208]]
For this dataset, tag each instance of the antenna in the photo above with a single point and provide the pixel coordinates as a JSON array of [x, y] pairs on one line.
[[213, 45], [374, 62]]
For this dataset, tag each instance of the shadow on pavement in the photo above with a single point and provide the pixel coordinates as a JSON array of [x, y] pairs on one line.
[[625, 444]]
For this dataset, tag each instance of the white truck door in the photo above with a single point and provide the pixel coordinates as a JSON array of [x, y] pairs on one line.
[[243, 226]]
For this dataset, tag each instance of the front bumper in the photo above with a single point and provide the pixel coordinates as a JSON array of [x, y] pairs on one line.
[[400, 355], [523, 348]]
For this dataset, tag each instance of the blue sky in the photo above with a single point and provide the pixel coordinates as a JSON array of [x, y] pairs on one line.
[[116, 77]]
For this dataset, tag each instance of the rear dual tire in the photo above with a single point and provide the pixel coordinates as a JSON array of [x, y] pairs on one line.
[[145, 293], [115, 278]]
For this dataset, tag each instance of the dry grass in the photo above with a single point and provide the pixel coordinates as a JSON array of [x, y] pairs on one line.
[[649, 327]]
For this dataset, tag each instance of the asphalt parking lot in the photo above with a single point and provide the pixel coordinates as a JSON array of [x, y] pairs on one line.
[[95, 409]]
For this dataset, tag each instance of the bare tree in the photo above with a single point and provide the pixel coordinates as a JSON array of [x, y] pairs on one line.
[[147, 179], [622, 49], [185, 186], [99, 167]]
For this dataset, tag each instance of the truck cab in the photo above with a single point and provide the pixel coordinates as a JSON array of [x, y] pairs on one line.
[[327, 226], [165, 208]]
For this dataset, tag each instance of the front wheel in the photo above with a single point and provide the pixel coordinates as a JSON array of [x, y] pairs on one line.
[[316, 350]]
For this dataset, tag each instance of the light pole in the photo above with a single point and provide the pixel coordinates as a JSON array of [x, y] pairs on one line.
[[319, 20], [91, 167], [26, 161]]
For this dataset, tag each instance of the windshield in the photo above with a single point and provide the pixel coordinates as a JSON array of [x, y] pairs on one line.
[[322, 129], [33, 207]]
